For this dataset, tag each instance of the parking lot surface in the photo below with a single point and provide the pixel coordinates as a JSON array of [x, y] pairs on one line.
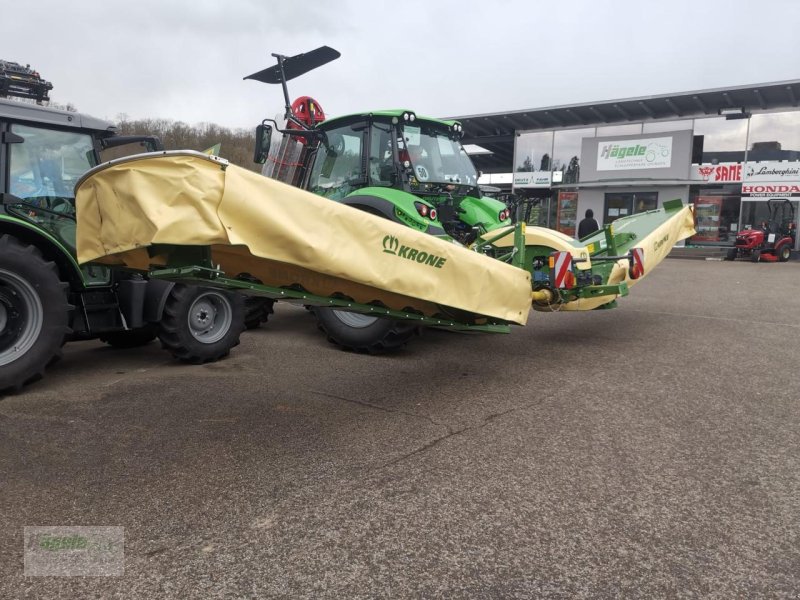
[[647, 451]]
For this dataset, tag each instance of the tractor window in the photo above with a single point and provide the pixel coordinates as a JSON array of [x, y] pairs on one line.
[[46, 166], [337, 165], [381, 157], [437, 157]]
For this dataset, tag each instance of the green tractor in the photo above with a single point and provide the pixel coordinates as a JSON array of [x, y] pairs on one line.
[[413, 170], [46, 298]]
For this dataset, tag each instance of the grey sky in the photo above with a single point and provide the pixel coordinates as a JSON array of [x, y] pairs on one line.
[[185, 59]]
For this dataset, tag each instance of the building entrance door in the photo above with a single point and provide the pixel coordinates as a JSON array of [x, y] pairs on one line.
[[627, 203]]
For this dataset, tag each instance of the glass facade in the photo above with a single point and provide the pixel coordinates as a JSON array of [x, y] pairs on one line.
[[567, 153], [774, 136], [719, 140], [533, 151]]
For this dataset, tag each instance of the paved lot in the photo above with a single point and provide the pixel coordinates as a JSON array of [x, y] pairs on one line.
[[648, 451]]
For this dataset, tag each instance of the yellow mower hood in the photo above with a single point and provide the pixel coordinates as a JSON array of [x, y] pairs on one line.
[[131, 210]]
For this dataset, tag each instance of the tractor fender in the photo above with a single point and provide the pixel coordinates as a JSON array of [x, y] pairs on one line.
[[49, 246], [155, 298], [142, 301], [395, 205]]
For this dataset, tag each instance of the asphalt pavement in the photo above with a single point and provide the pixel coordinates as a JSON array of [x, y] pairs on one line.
[[649, 451]]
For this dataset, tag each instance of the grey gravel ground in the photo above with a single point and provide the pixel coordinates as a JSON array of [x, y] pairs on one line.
[[648, 451]]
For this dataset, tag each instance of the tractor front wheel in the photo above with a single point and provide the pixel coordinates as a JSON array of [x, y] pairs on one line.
[[201, 325], [733, 253], [363, 333], [756, 256], [257, 311], [34, 313]]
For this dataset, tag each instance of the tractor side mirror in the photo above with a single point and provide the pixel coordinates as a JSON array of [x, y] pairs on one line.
[[263, 141]]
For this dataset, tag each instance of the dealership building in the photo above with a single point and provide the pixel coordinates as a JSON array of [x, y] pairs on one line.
[[727, 151]]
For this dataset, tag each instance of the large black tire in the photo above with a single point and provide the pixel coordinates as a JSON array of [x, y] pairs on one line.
[[34, 313], [785, 253], [201, 325], [733, 253], [756, 256], [257, 311], [363, 333], [133, 338]]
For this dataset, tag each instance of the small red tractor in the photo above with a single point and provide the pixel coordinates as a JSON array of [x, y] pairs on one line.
[[773, 241]]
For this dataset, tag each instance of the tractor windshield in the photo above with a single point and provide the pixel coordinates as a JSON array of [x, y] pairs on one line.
[[45, 166], [437, 156], [43, 170]]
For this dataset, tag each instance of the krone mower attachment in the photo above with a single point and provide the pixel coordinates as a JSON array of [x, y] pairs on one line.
[[230, 228]]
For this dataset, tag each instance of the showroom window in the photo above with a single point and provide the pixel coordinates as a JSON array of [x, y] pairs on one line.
[[774, 136], [567, 152], [716, 214], [533, 151], [623, 204], [719, 140]]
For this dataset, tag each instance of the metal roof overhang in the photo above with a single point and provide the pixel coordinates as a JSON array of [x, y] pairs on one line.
[[496, 131]]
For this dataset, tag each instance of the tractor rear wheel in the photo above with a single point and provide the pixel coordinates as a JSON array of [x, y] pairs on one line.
[[785, 253], [201, 325], [363, 333], [34, 313]]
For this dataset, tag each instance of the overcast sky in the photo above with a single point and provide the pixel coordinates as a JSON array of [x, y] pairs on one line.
[[185, 59]]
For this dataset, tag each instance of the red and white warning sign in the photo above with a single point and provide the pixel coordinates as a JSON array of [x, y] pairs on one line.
[[561, 269], [636, 263]]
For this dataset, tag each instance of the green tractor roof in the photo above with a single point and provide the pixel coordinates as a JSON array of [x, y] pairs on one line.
[[398, 113]]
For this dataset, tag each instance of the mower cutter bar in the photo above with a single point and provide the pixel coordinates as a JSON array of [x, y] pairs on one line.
[[215, 278]]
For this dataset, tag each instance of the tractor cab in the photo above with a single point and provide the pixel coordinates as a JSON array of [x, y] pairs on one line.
[[47, 151], [391, 149], [407, 168]]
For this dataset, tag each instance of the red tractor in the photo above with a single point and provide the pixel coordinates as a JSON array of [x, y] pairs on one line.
[[771, 242]]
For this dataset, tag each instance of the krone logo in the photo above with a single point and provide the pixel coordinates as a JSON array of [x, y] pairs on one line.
[[390, 244]]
